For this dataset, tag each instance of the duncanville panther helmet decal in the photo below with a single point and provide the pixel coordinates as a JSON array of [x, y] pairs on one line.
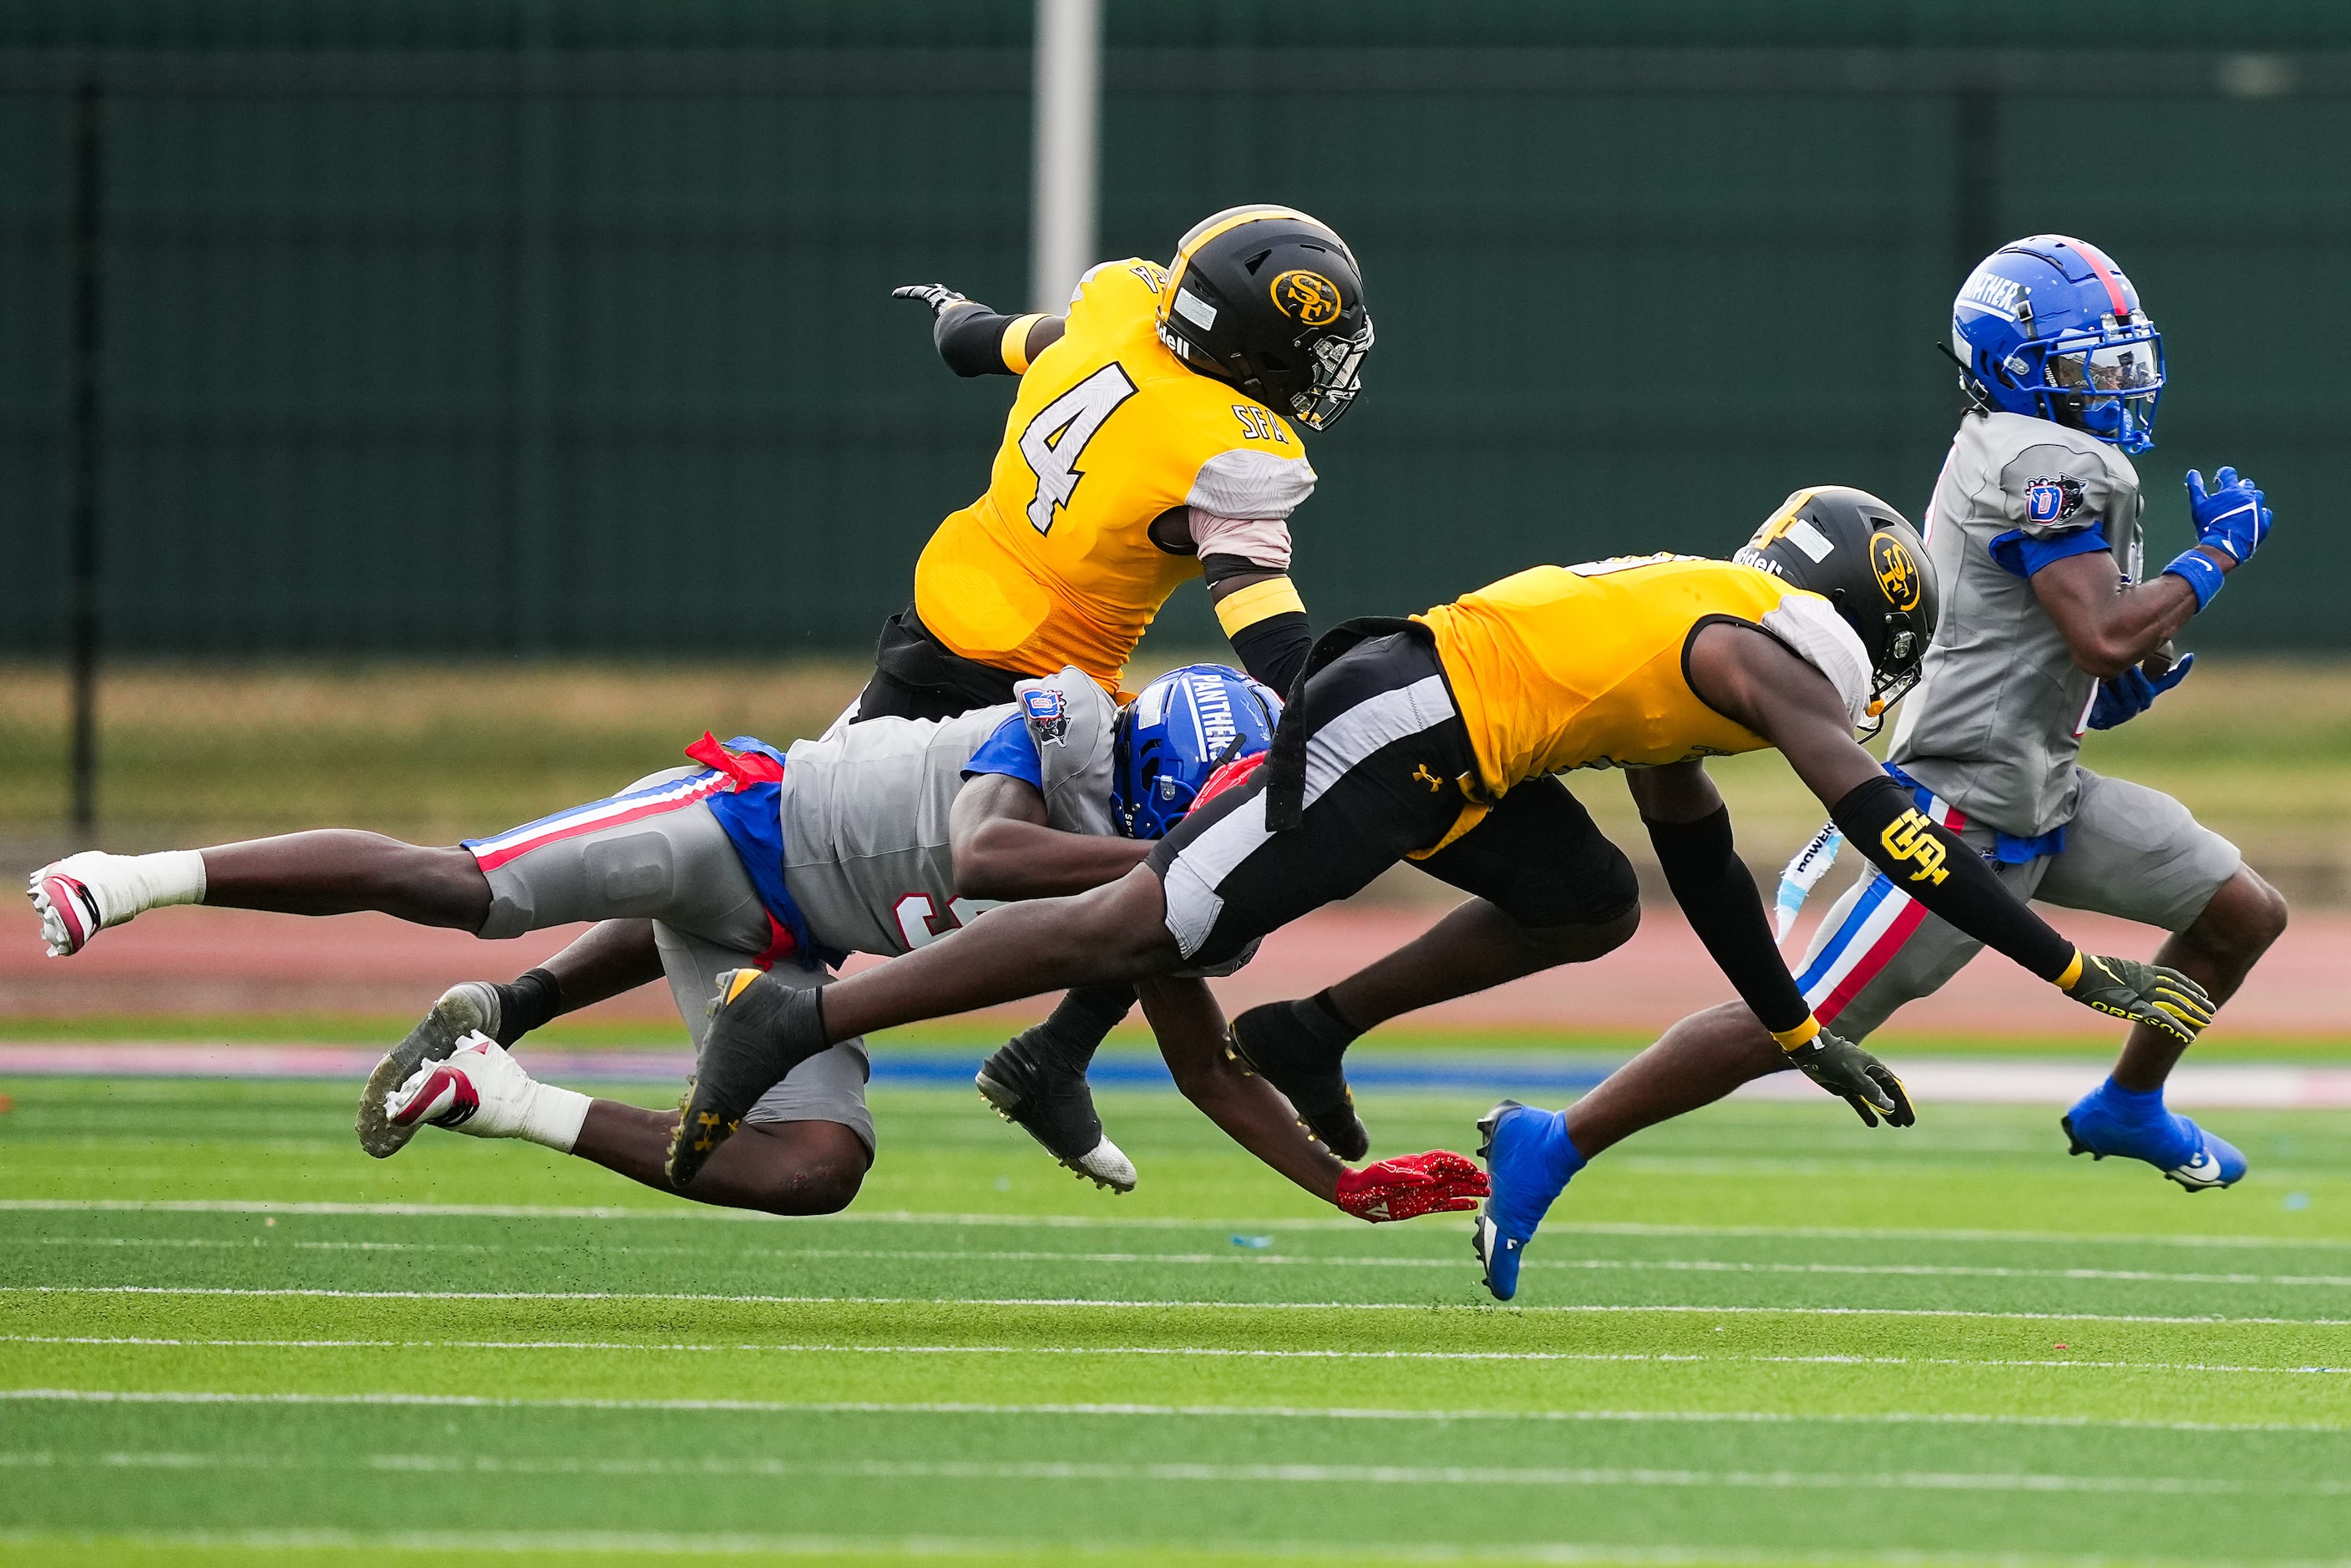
[[1271, 300], [2049, 326], [1864, 558], [1185, 726]]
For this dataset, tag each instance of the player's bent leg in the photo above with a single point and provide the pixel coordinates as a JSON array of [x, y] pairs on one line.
[[788, 1167], [2137, 853], [1037, 1081]]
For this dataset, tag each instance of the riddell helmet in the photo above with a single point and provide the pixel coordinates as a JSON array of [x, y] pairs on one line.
[[1864, 558], [2049, 326], [1271, 300], [1185, 726]]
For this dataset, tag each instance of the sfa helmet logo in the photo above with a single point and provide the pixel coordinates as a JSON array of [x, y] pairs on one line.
[[1044, 707], [1307, 298], [1897, 573], [2051, 499]]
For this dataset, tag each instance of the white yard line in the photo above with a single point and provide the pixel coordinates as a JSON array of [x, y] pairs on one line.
[[1091, 1303], [1105, 1222], [1269, 1412], [1212, 1474], [1248, 1259], [1659, 1358]]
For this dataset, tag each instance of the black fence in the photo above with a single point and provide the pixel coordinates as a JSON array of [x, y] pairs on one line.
[[419, 332]]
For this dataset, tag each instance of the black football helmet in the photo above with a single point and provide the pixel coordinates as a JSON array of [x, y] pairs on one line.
[[1864, 558], [1271, 300]]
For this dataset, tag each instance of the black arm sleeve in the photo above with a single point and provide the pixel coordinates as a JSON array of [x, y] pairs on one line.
[[1934, 866], [970, 338], [1717, 893], [1274, 649]]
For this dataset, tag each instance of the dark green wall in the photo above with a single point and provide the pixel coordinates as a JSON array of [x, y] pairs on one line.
[[564, 327]]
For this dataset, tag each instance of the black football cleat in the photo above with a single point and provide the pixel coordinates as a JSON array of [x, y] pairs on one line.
[[1290, 1052], [1047, 1098], [760, 1028]]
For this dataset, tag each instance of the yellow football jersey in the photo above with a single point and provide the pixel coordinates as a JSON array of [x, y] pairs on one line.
[[1581, 667], [1054, 564]]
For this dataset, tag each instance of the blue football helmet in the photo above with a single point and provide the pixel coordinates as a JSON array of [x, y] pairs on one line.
[[2048, 327], [1185, 726]]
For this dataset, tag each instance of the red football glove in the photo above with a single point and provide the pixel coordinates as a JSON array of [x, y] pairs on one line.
[[1232, 776], [1412, 1185]]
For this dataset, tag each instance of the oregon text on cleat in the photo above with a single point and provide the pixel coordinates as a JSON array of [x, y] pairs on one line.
[[1048, 1099], [469, 1007]]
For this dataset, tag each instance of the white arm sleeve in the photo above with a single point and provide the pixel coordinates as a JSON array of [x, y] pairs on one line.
[[1243, 481], [1808, 624], [1259, 541]]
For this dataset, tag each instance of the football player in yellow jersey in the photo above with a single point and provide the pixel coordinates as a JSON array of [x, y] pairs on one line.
[[1439, 740], [1154, 439]]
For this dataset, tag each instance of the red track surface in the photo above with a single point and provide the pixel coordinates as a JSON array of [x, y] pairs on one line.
[[185, 961]]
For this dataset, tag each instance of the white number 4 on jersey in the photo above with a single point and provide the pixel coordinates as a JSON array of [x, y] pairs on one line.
[[1057, 438]]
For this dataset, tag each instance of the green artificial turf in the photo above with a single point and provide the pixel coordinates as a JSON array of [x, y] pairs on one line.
[[1762, 1335]]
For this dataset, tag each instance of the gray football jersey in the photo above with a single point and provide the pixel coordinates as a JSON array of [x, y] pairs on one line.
[[1996, 721], [866, 810]]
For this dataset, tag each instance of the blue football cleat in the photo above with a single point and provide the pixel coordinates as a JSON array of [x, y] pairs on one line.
[[1528, 1161], [2108, 1120]]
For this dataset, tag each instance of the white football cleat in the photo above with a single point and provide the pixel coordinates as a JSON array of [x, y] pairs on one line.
[[67, 894], [477, 1089]]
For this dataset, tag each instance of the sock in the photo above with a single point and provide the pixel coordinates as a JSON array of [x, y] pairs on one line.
[[2132, 1104], [129, 885], [525, 1003], [1079, 1022], [1560, 1152], [1320, 1014], [553, 1117]]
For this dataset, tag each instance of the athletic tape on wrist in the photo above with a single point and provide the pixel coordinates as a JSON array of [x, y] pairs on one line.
[[1801, 1035]]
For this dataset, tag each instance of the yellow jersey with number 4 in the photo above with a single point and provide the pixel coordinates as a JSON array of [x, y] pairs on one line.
[[1581, 667], [1054, 566]]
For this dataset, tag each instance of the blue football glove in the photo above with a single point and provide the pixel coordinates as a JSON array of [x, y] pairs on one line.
[[2230, 517], [2133, 693]]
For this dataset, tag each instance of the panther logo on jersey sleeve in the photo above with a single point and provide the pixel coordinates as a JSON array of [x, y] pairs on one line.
[[2051, 499]]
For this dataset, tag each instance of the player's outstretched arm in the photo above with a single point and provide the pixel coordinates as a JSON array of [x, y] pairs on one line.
[[977, 341], [1690, 828], [1191, 1030], [1745, 674], [1002, 848]]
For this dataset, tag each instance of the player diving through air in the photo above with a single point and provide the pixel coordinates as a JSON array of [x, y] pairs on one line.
[[872, 839], [1435, 740], [2048, 628], [1153, 439]]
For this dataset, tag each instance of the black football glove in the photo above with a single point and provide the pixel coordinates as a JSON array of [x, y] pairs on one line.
[[2145, 993], [1857, 1077], [937, 295]]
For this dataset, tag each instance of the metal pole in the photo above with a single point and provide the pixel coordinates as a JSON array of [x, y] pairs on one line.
[[1069, 117], [82, 444]]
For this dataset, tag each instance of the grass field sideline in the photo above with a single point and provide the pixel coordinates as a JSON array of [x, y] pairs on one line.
[[1760, 1335]]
